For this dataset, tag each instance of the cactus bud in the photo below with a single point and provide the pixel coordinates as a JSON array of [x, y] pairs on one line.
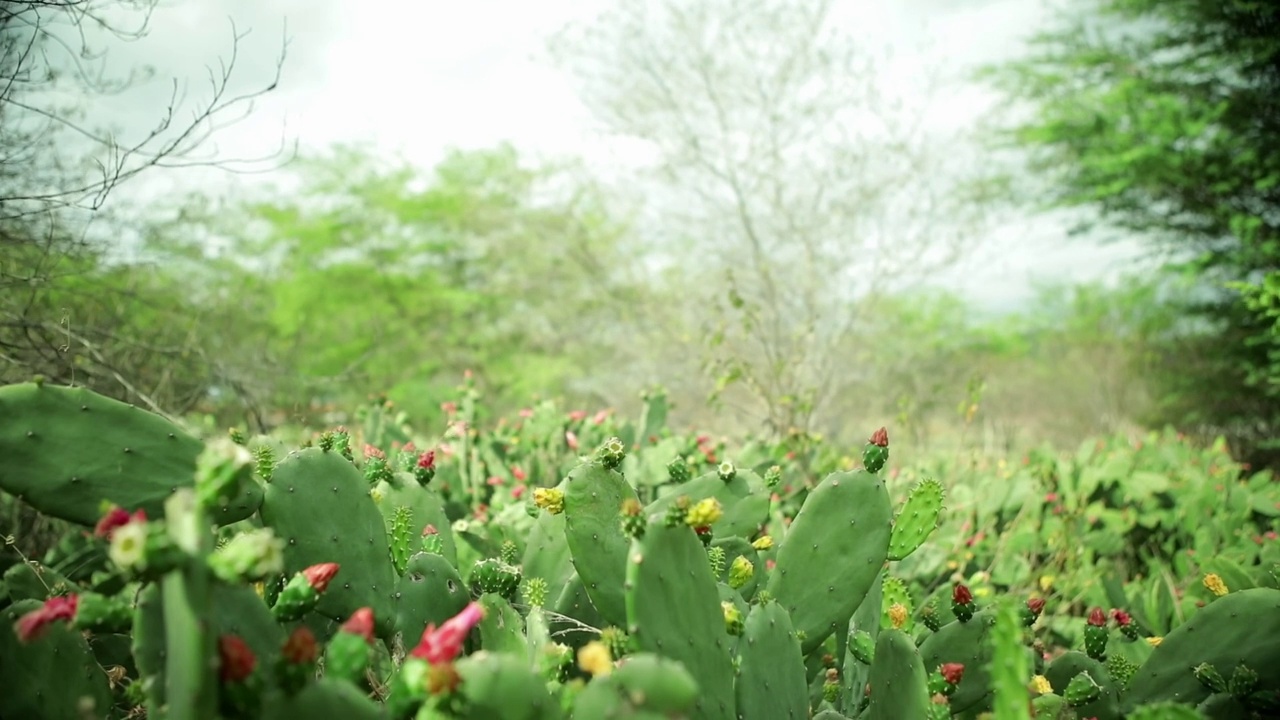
[[1095, 635], [705, 512], [1243, 682], [831, 686], [1031, 611], [962, 602], [611, 453], [236, 435], [633, 518], [678, 470], [618, 642], [425, 468], [1082, 690], [876, 453], [715, 557], [740, 572], [440, 646], [1209, 676], [549, 499], [535, 591], [953, 673], [240, 688], [301, 594], [929, 616], [727, 471], [34, 624], [594, 659], [733, 622], [495, 576], [764, 542], [297, 662], [773, 477]]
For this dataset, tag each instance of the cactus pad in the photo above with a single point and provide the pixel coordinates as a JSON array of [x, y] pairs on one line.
[[917, 518], [771, 673]]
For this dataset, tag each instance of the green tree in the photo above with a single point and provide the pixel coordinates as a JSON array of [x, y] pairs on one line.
[[1161, 119]]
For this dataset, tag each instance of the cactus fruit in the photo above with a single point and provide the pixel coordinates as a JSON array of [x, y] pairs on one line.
[[1063, 671], [497, 577], [1082, 690], [832, 553], [1031, 610], [876, 454], [916, 519], [896, 603], [1096, 635], [962, 602]]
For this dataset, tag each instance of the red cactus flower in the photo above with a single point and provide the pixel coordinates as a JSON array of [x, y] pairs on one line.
[[1097, 618], [518, 474], [300, 648], [880, 437], [318, 576], [34, 624], [1121, 617], [235, 660], [427, 460], [360, 623], [430, 530], [442, 645], [117, 517], [960, 595], [518, 491], [1035, 605], [952, 672], [494, 481]]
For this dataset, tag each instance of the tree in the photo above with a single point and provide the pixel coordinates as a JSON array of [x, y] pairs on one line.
[[1161, 118], [65, 311], [786, 183]]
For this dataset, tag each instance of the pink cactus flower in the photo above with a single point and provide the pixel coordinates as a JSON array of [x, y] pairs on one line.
[[442, 645]]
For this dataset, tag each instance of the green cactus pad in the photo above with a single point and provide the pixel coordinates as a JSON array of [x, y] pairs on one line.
[[1240, 627], [1010, 667], [575, 616], [319, 504], [593, 498], [68, 451], [30, 581], [894, 591], [546, 554], [498, 686], [646, 686], [236, 609], [832, 553], [917, 518], [673, 610], [502, 628], [403, 490], [324, 699], [430, 591], [854, 674], [969, 644], [48, 677], [899, 683], [1165, 711], [829, 715], [734, 548], [771, 674], [733, 521], [1068, 666]]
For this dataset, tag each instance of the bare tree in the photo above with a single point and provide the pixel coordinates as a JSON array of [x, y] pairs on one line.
[[62, 313], [786, 180]]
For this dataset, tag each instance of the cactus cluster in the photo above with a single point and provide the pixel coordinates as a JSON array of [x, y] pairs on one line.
[[244, 580]]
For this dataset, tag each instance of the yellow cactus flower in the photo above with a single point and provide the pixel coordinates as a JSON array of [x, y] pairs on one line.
[[549, 499], [1215, 584], [1155, 640], [1040, 685], [740, 572], [764, 542], [898, 615], [1046, 582], [595, 659], [704, 513]]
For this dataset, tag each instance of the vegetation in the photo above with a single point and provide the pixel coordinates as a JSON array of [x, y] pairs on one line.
[[242, 479]]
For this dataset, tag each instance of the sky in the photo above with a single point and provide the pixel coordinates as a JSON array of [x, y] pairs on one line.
[[416, 77]]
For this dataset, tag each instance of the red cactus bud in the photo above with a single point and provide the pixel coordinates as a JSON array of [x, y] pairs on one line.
[[1097, 618], [960, 595], [440, 646], [360, 623], [1121, 617], [318, 576], [117, 517], [427, 460], [1035, 605], [300, 648], [880, 438], [952, 672], [34, 624], [430, 530], [235, 660]]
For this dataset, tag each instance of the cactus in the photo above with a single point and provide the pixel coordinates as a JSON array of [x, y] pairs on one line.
[[68, 451], [832, 553], [916, 519], [1009, 669], [593, 497], [673, 610], [424, 504], [899, 683], [1098, 697], [318, 503], [771, 672], [61, 653]]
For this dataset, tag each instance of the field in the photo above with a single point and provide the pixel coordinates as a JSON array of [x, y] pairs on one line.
[[568, 563]]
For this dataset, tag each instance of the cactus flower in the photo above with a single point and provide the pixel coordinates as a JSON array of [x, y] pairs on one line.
[[549, 499], [1121, 617], [427, 460], [441, 645], [1097, 618], [898, 615], [740, 572], [360, 623], [1213, 582], [236, 662], [952, 672], [703, 513], [595, 659], [318, 576], [34, 624], [764, 542], [1155, 641], [117, 517], [129, 545], [880, 438], [1040, 685], [300, 648]]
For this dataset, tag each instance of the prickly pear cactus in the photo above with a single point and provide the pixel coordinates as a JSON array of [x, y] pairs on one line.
[[771, 673], [916, 519], [593, 497]]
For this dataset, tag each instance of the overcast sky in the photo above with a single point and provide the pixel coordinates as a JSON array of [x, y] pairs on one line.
[[416, 77]]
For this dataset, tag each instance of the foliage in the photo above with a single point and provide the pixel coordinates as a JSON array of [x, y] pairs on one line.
[[1160, 119], [540, 584]]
